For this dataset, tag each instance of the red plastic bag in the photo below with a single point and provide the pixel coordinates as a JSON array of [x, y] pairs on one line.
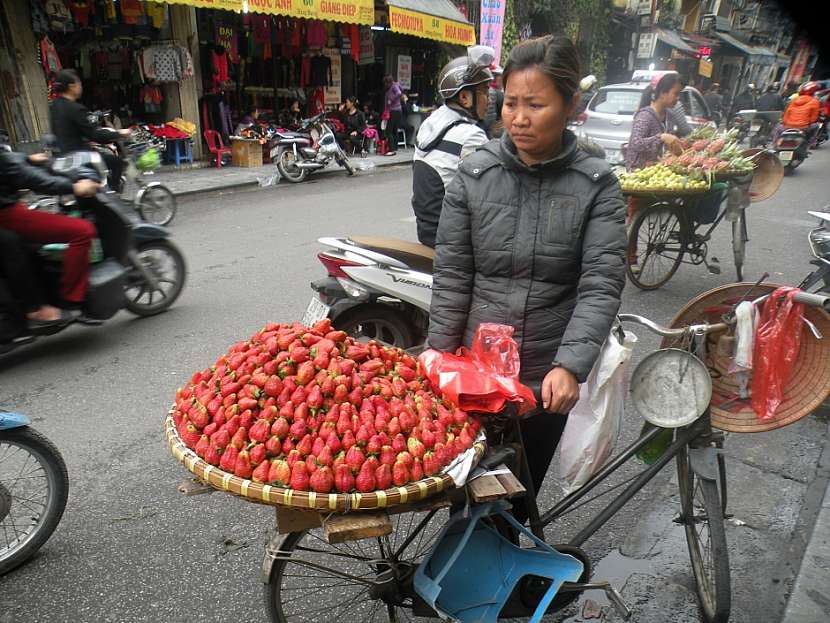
[[484, 378], [777, 342]]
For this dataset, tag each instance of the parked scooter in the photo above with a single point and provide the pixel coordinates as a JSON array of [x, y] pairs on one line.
[[792, 147], [819, 238], [33, 490], [376, 288], [134, 264], [311, 149]]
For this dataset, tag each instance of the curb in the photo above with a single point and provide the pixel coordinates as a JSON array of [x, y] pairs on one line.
[[247, 183]]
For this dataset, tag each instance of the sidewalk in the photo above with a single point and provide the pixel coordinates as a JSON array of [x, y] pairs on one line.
[[191, 180]]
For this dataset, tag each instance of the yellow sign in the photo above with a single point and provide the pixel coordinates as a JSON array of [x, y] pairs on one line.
[[351, 11], [430, 27], [227, 5], [705, 68]]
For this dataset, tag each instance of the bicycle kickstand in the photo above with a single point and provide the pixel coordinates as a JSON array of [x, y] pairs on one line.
[[611, 593]]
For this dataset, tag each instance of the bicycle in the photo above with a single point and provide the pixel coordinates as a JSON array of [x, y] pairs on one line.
[[153, 200], [665, 231], [307, 578]]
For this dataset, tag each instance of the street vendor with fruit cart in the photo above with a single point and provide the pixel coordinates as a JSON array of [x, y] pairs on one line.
[[649, 132], [532, 235]]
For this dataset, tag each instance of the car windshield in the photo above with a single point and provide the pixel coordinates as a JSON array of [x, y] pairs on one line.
[[616, 101]]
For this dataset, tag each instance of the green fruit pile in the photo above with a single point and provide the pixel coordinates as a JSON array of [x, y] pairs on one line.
[[659, 178]]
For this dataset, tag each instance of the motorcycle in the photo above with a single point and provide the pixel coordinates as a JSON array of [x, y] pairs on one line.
[[818, 281], [761, 125], [821, 138], [134, 265], [376, 288], [33, 489], [792, 147], [311, 149], [740, 122]]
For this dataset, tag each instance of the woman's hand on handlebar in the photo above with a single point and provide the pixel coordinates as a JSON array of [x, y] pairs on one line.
[[560, 391], [85, 188]]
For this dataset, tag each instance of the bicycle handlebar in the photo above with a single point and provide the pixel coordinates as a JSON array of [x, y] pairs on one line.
[[806, 298]]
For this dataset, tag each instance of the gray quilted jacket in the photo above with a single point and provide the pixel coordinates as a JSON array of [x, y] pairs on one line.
[[540, 248]]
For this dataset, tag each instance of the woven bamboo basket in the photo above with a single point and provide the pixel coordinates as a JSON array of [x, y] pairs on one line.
[[809, 383], [279, 496]]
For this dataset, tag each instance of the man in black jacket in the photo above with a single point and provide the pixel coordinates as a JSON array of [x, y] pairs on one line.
[[72, 128], [16, 172], [771, 100]]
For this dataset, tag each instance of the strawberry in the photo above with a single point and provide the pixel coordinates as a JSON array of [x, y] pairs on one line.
[[293, 457], [383, 477], [405, 458], [298, 429], [299, 477], [243, 468], [304, 447], [191, 436], [273, 446], [407, 420], [365, 481], [362, 437], [202, 446], [388, 455], [260, 474], [431, 464], [355, 458], [213, 455], [259, 379], [247, 403], [258, 454], [374, 445], [221, 438], [399, 443], [321, 327], [279, 473], [400, 474], [270, 367], [199, 417], [322, 481], [287, 411], [310, 464], [417, 470], [405, 372], [305, 372], [260, 430], [325, 456], [299, 396], [333, 442], [356, 395], [348, 440], [299, 355], [246, 419], [288, 445], [336, 336], [459, 416], [398, 387], [211, 428], [240, 438], [315, 398], [273, 387], [343, 479], [228, 462], [280, 427], [427, 438]]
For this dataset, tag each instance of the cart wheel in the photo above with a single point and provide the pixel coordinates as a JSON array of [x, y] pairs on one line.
[[739, 239], [656, 244]]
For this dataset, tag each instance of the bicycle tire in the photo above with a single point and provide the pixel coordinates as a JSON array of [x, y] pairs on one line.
[[158, 205], [51, 462], [739, 244], [670, 245], [711, 570]]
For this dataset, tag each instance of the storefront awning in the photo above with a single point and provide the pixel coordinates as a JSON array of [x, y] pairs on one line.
[[349, 11], [673, 39], [227, 5], [754, 52], [431, 19]]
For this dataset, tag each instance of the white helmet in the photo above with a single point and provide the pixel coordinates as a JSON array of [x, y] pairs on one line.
[[587, 82]]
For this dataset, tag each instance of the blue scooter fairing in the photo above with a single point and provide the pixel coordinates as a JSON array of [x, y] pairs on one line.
[[13, 420]]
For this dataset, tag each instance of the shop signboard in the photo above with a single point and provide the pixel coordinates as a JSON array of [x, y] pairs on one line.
[[492, 24], [350, 11], [644, 7], [367, 46], [405, 71], [333, 91], [227, 5], [705, 68], [646, 45], [430, 27]]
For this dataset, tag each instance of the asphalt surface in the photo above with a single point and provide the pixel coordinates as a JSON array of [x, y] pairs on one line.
[[130, 548]]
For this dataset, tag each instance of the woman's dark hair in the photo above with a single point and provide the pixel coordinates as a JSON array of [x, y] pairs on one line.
[[554, 55], [664, 85], [388, 81], [64, 78]]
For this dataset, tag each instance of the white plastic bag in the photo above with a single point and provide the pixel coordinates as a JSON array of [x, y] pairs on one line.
[[594, 422]]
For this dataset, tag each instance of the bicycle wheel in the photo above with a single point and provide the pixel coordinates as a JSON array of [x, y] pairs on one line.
[[33, 491], [702, 517], [368, 580], [656, 244], [157, 205], [739, 238]]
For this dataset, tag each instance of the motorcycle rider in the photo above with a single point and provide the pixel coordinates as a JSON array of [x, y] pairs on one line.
[[495, 100], [802, 113], [16, 173], [449, 135], [771, 100], [72, 128]]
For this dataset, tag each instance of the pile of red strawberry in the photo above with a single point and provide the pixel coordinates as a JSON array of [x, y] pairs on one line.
[[311, 409]]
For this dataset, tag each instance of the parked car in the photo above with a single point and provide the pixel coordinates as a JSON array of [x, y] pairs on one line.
[[608, 118]]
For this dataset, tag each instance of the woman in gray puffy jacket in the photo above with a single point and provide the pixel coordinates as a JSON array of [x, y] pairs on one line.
[[532, 235]]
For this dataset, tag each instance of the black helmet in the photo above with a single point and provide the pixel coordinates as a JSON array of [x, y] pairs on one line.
[[466, 71]]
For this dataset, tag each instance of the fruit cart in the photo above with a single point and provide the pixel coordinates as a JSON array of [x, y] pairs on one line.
[[675, 211]]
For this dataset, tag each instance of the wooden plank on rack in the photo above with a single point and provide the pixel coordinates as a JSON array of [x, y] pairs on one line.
[[510, 483], [486, 489], [295, 519], [356, 526]]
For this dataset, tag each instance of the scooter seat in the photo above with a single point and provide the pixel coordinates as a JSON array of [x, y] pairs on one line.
[[418, 256]]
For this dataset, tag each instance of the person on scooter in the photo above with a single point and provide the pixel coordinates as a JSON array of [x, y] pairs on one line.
[[771, 100], [802, 114], [449, 134], [72, 128], [16, 173], [532, 235]]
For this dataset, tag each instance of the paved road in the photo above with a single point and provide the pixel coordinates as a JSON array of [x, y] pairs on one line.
[[132, 549]]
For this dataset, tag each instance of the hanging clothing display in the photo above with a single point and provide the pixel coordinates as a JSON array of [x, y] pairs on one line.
[[81, 10], [320, 71], [49, 57], [131, 11], [316, 36], [156, 13], [219, 61], [60, 19]]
